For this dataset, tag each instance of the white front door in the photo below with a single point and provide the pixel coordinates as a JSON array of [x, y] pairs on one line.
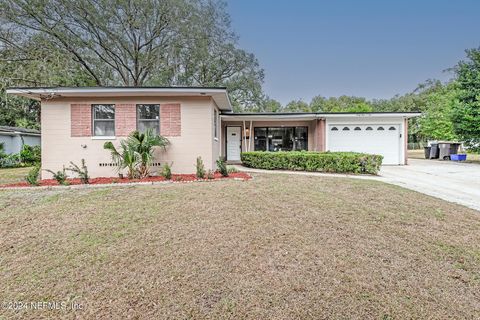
[[234, 143]]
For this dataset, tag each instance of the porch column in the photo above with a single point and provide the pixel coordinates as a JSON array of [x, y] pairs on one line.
[[320, 132], [244, 137], [250, 136], [405, 137]]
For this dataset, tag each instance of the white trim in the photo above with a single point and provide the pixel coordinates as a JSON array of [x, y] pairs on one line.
[[220, 96], [104, 138], [314, 116]]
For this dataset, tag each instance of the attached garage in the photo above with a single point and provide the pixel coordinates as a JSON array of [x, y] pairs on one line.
[[374, 135]]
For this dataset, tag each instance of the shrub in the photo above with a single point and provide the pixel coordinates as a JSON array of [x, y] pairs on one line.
[[33, 175], [337, 162], [200, 168], [60, 176], [167, 171], [30, 155], [2, 150], [222, 167], [10, 161], [136, 152], [81, 171]]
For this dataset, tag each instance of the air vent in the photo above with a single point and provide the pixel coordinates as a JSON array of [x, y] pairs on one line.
[[107, 164]]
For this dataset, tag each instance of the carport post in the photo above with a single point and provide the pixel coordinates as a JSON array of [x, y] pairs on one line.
[[244, 136]]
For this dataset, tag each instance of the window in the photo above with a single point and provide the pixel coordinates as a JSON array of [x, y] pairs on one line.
[[357, 129], [334, 129], [369, 129], [346, 129], [148, 117], [103, 117], [380, 128], [281, 138], [392, 129], [215, 123]]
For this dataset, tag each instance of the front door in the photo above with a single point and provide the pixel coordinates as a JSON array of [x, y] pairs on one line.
[[234, 143]]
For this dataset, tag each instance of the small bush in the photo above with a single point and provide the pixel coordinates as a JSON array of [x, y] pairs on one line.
[[167, 171], [30, 155], [33, 175], [60, 176], [222, 167], [10, 161], [200, 168], [336, 162], [81, 171]]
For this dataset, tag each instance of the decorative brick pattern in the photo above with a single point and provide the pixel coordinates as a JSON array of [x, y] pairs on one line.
[[170, 120], [125, 119], [81, 120]]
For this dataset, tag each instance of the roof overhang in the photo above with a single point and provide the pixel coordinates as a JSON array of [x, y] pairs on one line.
[[219, 95], [313, 116]]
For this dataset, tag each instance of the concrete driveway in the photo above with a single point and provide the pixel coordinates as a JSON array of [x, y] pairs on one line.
[[448, 180]]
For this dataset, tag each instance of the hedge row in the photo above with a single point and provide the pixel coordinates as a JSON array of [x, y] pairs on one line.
[[337, 162]]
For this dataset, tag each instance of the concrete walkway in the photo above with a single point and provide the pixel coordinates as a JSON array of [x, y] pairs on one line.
[[447, 180]]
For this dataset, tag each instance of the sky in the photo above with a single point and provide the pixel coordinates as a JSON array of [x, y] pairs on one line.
[[369, 48]]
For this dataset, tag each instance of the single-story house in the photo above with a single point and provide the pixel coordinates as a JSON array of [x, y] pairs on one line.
[[13, 138], [198, 121]]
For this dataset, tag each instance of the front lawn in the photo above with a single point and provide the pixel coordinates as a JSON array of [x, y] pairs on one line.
[[275, 247], [13, 175]]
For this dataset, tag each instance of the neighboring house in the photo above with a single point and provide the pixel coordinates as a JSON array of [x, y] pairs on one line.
[[76, 122], [13, 138]]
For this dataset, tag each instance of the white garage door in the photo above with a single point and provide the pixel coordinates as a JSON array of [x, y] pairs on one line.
[[374, 139]]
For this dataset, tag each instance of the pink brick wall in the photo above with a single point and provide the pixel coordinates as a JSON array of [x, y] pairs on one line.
[[320, 132], [170, 120], [125, 119], [81, 120]]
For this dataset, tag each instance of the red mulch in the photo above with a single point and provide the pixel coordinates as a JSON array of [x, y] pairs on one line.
[[113, 180]]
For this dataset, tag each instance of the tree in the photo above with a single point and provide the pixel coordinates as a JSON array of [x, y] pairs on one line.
[[297, 106], [436, 121], [466, 114], [139, 43], [271, 105]]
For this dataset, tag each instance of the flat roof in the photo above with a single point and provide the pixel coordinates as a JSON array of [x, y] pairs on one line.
[[314, 115], [218, 94], [19, 130]]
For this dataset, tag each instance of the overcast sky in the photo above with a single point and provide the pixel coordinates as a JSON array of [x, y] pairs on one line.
[[371, 48]]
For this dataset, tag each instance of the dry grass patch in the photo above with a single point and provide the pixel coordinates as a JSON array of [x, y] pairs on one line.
[[13, 175], [277, 247]]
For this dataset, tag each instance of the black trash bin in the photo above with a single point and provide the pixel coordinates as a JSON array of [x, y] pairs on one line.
[[454, 148], [427, 152], [434, 152]]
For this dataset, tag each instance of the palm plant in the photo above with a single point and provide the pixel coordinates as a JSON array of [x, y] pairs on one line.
[[144, 145], [136, 152]]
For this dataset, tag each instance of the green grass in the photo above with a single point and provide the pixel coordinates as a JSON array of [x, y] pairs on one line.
[[275, 247], [13, 175]]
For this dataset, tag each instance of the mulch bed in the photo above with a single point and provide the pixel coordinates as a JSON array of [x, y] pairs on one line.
[[116, 180]]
